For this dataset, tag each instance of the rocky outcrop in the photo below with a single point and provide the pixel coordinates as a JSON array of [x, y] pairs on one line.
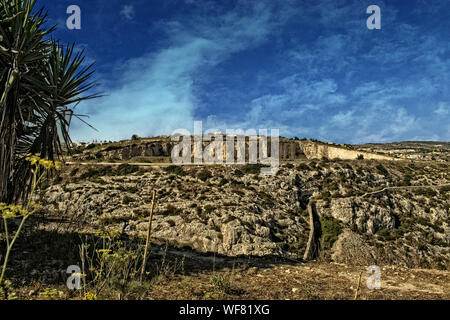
[[365, 216], [318, 150], [288, 150], [234, 212], [352, 249]]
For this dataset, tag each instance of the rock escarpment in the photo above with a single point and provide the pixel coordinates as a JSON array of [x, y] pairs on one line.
[[234, 211]]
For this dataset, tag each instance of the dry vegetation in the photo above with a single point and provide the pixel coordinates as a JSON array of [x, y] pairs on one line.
[[226, 232]]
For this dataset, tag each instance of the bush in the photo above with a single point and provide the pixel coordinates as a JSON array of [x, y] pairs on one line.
[[360, 157], [325, 195], [127, 200], [253, 168], [113, 269], [112, 148], [221, 284], [74, 172], [426, 192], [223, 182], [97, 172], [302, 166], [125, 169], [381, 169], [406, 180], [444, 190], [385, 235], [173, 169], [209, 208], [333, 186], [204, 175], [238, 173], [172, 211], [331, 229]]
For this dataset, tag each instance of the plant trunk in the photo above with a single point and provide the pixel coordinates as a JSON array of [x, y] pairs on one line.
[[7, 150]]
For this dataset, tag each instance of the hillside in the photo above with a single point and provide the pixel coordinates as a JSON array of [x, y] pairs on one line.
[[210, 219], [414, 150]]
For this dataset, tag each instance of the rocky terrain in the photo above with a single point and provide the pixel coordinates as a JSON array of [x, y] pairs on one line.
[[370, 212], [425, 150], [228, 232]]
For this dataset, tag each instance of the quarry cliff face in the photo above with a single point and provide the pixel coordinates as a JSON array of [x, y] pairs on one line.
[[316, 150], [288, 150]]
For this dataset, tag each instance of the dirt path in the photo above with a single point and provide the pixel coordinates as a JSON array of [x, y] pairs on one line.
[[311, 281], [139, 164]]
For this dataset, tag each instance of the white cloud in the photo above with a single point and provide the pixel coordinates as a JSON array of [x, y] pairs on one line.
[[155, 92], [348, 87], [128, 12], [442, 110]]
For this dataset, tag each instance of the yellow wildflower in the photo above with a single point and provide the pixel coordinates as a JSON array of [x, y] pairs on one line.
[[90, 296], [13, 211], [35, 160], [104, 250]]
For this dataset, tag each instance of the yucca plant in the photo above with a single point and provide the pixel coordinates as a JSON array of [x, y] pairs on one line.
[[40, 82]]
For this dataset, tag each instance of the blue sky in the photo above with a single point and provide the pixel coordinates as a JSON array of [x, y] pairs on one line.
[[309, 68]]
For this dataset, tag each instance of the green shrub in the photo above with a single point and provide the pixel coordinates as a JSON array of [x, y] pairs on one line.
[[238, 173], [253, 168], [112, 148], [172, 211], [229, 219], [426, 192], [127, 200], [407, 180], [444, 190], [302, 166], [128, 189], [238, 192], [204, 175], [125, 169], [97, 172], [221, 284], [382, 170], [385, 234], [223, 182], [173, 169], [331, 229], [325, 195], [209, 208], [333, 186]]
